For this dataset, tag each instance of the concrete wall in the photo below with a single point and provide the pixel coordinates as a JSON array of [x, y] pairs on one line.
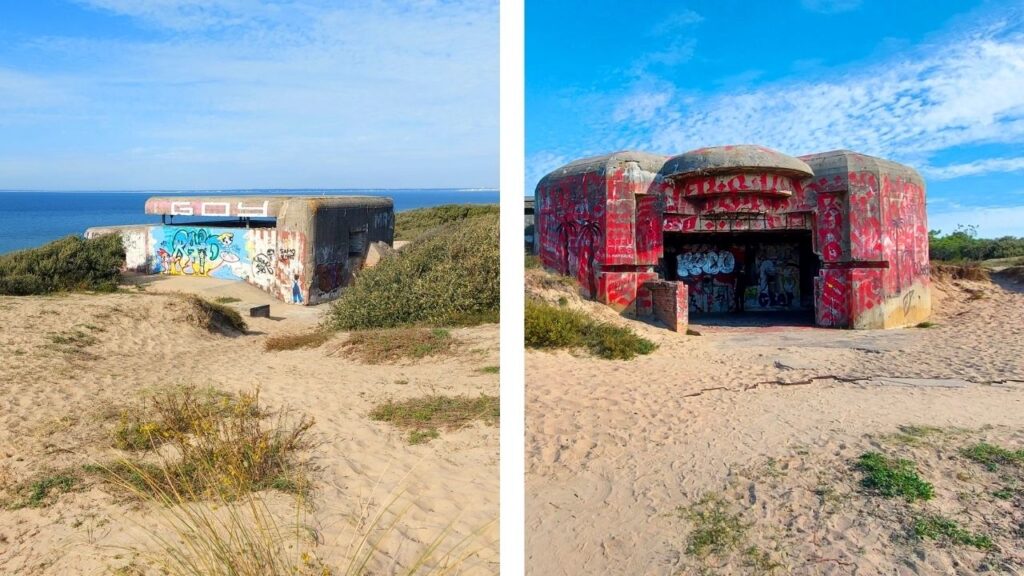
[[586, 224], [603, 221], [666, 301], [315, 249]]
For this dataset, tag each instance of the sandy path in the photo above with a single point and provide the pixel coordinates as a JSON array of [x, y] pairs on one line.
[[613, 448], [49, 402]]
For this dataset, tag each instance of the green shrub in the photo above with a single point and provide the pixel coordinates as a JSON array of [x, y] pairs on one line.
[[447, 276], [71, 263], [411, 224], [551, 327], [964, 244], [893, 477]]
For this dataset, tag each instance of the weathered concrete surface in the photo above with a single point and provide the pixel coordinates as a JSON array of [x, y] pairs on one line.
[[306, 255], [739, 158], [856, 223], [253, 206], [375, 253]]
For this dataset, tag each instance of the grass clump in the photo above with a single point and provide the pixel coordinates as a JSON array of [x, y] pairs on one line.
[[43, 491], [411, 224], [225, 445], [490, 369], [552, 327], [935, 527], [893, 477], [212, 316], [913, 435], [423, 416], [992, 457], [382, 346], [447, 276], [716, 528], [296, 341], [226, 300], [68, 264]]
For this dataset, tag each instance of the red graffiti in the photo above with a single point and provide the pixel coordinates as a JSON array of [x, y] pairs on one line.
[[606, 226]]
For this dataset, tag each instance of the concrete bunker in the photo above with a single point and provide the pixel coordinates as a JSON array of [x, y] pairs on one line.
[[301, 249], [840, 237]]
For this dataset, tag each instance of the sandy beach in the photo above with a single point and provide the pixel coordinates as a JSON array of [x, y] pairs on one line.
[[770, 420], [52, 415]]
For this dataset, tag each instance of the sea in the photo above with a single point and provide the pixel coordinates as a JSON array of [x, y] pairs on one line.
[[29, 219]]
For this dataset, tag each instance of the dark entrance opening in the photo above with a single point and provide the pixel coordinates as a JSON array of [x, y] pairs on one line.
[[759, 278]]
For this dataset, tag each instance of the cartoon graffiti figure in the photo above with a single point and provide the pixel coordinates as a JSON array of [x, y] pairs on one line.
[[296, 291]]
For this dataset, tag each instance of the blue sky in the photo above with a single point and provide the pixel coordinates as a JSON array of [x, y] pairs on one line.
[[938, 85], [216, 94]]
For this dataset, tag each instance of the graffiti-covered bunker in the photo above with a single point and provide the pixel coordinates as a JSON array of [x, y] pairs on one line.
[[301, 249], [839, 235]]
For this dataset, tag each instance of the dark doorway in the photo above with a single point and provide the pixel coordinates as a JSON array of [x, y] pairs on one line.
[[757, 273]]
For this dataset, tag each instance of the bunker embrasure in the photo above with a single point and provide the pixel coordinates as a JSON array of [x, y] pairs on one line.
[[301, 249], [839, 235]]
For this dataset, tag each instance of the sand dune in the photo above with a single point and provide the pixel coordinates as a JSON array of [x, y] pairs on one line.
[[762, 417], [51, 402]]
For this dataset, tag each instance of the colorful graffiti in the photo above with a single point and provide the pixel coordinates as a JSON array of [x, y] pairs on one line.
[[778, 278], [196, 251], [705, 261], [866, 217]]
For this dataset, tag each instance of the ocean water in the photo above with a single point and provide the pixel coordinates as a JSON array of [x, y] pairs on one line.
[[28, 219]]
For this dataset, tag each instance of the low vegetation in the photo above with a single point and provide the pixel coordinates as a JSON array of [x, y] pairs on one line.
[[936, 527], [992, 457], [717, 529], [313, 339], [212, 316], [411, 224], [43, 490], [963, 244], [226, 300], [447, 276], [423, 417], [554, 327], [893, 477], [382, 346], [223, 445], [68, 264]]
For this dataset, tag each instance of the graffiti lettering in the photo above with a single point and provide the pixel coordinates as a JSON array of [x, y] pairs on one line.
[[705, 262], [264, 263]]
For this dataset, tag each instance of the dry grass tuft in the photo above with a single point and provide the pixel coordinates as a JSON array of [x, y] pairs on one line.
[[296, 341], [212, 316], [423, 416], [222, 445], [389, 345]]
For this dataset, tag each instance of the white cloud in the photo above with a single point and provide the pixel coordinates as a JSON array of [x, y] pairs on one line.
[[830, 6], [965, 92], [676, 23], [243, 93], [643, 105], [538, 165], [977, 167]]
